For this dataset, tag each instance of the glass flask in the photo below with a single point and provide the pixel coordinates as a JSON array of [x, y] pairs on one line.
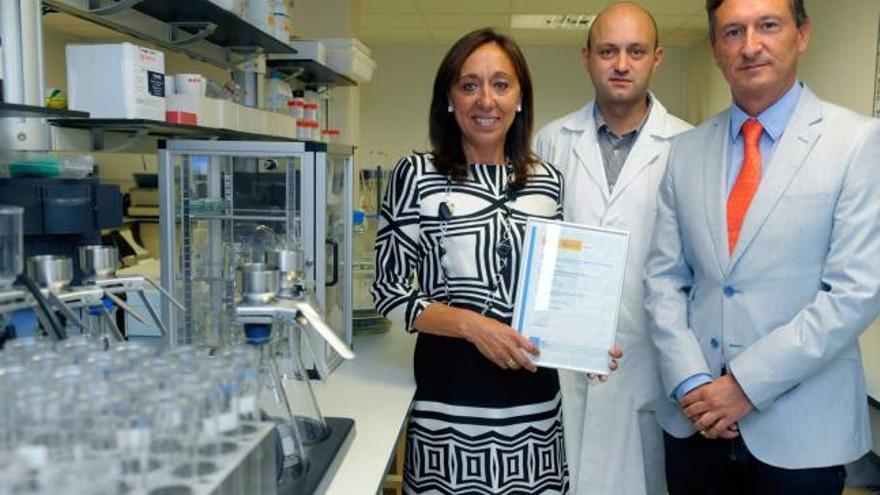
[[307, 416], [273, 399]]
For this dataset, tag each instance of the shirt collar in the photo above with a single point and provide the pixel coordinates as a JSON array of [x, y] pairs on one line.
[[600, 119], [773, 119]]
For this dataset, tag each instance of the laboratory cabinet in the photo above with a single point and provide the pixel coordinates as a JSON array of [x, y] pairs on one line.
[[225, 204]]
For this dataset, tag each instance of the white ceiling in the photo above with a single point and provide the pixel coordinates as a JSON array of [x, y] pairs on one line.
[[681, 22]]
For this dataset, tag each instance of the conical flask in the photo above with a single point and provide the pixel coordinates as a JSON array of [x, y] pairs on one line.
[[273, 400], [306, 414]]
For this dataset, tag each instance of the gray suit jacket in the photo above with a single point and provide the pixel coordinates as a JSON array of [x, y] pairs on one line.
[[785, 310]]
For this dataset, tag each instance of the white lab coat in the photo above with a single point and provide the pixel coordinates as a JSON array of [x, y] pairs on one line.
[[613, 442]]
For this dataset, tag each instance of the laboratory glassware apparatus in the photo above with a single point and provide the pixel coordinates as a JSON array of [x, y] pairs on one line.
[[225, 203], [273, 313], [98, 264], [13, 300]]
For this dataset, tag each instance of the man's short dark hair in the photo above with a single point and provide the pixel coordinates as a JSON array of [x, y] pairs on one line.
[[653, 23], [798, 11]]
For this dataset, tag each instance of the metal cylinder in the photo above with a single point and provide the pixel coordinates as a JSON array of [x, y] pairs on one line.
[[289, 263], [50, 271], [21, 32], [98, 262], [259, 282]]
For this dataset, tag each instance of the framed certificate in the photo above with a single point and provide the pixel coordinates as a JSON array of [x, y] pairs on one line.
[[570, 287], [877, 81]]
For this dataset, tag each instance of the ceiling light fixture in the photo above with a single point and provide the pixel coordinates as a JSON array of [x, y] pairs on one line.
[[552, 21]]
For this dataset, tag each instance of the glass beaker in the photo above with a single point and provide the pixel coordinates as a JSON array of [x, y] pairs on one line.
[[11, 244]]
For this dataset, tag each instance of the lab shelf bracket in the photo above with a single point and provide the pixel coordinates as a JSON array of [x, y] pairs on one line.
[[95, 7], [96, 136], [242, 55], [204, 29]]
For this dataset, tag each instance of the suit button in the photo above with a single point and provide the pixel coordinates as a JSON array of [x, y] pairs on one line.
[[729, 291], [714, 343]]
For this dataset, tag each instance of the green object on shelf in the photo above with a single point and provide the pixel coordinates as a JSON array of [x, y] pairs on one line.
[[36, 166]]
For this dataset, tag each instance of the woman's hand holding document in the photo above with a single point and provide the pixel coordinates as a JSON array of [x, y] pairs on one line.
[[569, 293]]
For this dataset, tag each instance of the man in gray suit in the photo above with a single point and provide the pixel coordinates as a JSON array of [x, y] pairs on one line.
[[763, 272]]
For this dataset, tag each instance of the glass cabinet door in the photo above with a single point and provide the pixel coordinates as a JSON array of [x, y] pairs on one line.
[[230, 203], [337, 248]]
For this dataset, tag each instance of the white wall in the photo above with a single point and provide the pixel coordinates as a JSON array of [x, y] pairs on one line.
[[840, 62], [394, 105], [706, 92], [838, 66]]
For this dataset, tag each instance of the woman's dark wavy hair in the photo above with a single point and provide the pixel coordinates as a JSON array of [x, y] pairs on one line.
[[445, 134]]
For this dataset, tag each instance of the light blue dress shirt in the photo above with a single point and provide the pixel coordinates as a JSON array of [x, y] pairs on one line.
[[773, 120]]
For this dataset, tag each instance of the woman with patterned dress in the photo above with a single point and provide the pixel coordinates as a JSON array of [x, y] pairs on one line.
[[485, 420]]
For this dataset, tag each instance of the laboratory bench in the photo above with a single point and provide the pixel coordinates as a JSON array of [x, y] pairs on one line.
[[376, 390]]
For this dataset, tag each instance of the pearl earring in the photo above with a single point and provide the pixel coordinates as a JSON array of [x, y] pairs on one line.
[[519, 107], [449, 108]]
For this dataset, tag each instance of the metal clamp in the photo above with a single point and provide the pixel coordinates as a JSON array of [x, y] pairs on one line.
[[121, 5], [204, 29]]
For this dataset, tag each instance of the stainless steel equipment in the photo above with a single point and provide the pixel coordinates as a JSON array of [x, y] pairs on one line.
[[51, 271], [288, 262], [224, 204], [88, 306], [99, 264]]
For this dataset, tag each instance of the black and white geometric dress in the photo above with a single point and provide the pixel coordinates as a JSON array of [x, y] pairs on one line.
[[474, 427]]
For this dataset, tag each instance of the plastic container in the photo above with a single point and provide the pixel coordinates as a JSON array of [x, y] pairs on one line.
[[35, 164], [277, 93], [237, 7], [330, 136], [282, 28], [261, 13], [297, 105], [310, 111], [310, 50], [294, 108], [302, 129]]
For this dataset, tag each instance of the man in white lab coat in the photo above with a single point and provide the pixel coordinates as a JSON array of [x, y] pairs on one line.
[[613, 153]]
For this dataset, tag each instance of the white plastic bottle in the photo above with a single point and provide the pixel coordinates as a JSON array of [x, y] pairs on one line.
[[277, 93]]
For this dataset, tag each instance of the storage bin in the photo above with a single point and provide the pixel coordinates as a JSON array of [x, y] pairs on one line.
[[309, 50], [350, 58]]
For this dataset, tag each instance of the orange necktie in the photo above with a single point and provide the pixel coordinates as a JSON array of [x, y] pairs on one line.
[[746, 182]]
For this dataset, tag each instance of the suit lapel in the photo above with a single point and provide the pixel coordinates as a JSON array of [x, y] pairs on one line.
[[794, 145], [713, 188]]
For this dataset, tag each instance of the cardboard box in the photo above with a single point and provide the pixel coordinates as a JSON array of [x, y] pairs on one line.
[[119, 80]]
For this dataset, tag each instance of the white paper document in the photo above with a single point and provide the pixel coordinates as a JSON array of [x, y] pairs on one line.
[[569, 293]]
